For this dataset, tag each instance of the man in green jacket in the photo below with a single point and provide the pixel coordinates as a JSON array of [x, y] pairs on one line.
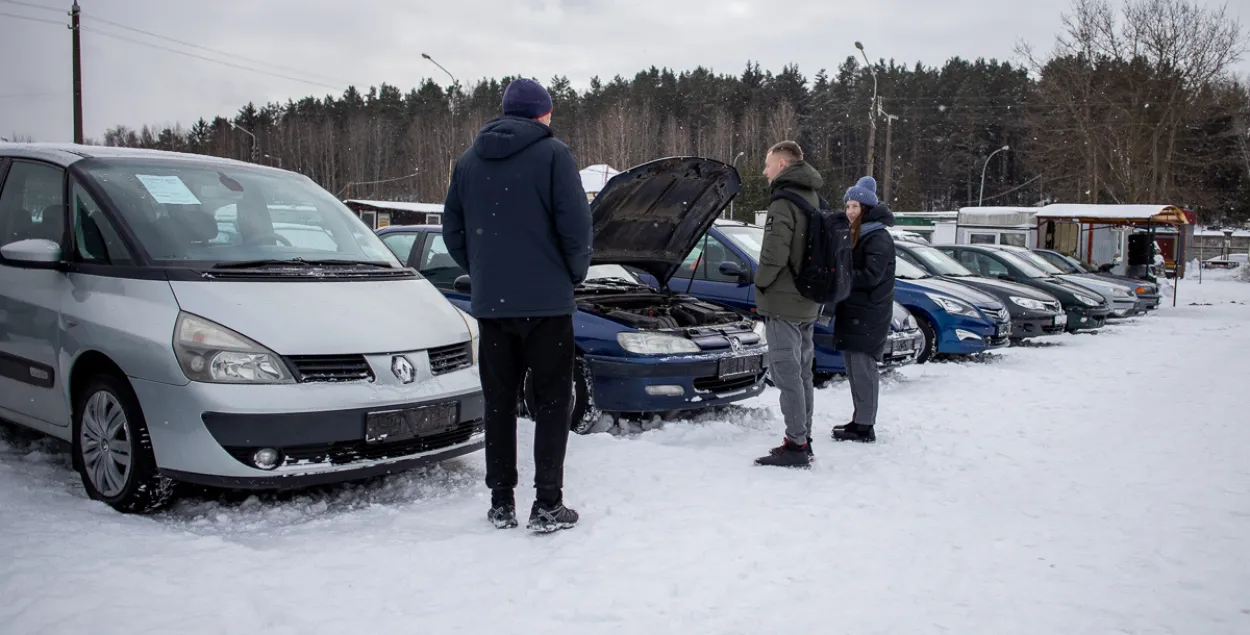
[[789, 317]]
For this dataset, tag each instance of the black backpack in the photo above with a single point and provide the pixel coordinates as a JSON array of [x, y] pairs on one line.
[[825, 273]]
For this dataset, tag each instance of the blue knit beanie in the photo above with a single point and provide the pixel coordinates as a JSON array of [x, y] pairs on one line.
[[864, 191], [526, 98]]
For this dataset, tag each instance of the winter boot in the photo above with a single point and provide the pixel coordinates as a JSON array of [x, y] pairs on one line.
[[788, 455], [782, 448], [502, 512], [548, 517], [855, 432]]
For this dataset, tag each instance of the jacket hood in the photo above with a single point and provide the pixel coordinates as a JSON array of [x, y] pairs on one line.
[[652, 215], [879, 214], [505, 136], [800, 174]]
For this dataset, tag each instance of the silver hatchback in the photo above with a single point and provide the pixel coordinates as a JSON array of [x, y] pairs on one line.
[[180, 318]]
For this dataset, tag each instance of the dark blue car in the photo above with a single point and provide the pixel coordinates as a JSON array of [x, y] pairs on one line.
[[640, 349], [721, 268]]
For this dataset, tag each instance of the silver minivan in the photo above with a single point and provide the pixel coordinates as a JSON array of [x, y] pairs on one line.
[[154, 313]]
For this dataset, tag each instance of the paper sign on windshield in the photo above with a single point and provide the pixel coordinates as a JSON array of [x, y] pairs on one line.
[[168, 190]]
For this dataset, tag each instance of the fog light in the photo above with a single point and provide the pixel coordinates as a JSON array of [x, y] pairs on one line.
[[266, 459], [665, 391], [966, 335]]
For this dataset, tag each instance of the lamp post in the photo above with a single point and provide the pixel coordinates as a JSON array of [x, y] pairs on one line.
[[981, 197], [872, 110], [248, 133]]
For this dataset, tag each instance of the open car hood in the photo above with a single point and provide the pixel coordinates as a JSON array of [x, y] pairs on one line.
[[652, 215]]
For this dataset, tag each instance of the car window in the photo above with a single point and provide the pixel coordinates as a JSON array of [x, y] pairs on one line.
[[201, 211], [910, 259], [32, 204], [95, 239], [437, 264], [400, 244], [1058, 261], [991, 267], [713, 253]]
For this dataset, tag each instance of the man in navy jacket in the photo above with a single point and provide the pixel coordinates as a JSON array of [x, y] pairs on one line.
[[517, 220]]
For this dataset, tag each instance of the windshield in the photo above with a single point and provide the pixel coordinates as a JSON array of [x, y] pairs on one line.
[[1076, 265], [940, 263], [907, 271], [1025, 266], [609, 272], [748, 239], [186, 212], [1039, 262]]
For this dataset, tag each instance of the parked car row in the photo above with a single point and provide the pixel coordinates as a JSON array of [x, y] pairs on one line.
[[188, 319]]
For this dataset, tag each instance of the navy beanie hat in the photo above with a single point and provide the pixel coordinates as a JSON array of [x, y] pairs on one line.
[[864, 191], [526, 98]]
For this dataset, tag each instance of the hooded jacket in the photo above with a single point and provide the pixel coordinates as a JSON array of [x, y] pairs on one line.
[[517, 220], [785, 236]]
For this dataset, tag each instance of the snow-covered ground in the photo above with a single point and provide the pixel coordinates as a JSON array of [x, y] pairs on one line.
[[1085, 484]]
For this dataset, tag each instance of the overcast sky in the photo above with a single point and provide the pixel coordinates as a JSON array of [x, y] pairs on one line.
[[335, 43]]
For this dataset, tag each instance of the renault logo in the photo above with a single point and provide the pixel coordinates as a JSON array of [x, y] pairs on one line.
[[403, 369]]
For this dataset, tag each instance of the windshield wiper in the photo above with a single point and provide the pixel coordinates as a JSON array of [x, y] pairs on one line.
[[299, 262]]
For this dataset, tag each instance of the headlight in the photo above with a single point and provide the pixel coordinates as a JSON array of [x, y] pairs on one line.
[[209, 352], [655, 343], [953, 306], [1028, 303], [1086, 300], [475, 336], [1121, 292], [761, 330], [1142, 290]]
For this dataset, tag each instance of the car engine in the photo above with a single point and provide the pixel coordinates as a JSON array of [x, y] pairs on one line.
[[659, 312]]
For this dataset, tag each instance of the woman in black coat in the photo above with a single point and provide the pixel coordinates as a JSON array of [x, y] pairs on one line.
[[863, 319]]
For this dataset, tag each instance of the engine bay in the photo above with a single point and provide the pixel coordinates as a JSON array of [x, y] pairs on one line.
[[655, 311]]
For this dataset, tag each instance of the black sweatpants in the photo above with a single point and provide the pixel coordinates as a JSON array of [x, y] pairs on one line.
[[509, 346]]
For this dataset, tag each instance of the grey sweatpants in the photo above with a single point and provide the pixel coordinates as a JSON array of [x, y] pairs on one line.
[[790, 356], [861, 371]]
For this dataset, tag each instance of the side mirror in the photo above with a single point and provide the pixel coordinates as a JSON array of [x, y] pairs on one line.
[[732, 269], [1107, 267], [32, 253], [463, 284], [1005, 276]]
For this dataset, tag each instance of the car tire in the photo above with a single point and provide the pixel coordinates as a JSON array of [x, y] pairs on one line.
[[930, 338], [112, 450], [584, 415]]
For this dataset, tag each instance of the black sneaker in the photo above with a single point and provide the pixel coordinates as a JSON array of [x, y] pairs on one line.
[[502, 516], [546, 518], [782, 448], [788, 455], [855, 432]]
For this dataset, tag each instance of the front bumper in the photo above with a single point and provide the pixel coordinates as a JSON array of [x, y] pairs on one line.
[[1087, 318], [1037, 324], [1124, 307], [969, 336], [208, 433], [621, 383], [902, 348]]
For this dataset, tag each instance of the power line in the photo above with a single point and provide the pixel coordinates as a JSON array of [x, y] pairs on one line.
[[34, 6], [26, 17], [210, 50], [207, 59]]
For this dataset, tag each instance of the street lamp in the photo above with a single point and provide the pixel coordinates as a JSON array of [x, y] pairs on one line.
[[249, 133], [433, 61], [872, 110], [981, 198], [734, 164]]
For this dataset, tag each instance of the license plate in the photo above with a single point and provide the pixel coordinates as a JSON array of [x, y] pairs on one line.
[[389, 426], [1061, 319], [901, 345], [739, 366]]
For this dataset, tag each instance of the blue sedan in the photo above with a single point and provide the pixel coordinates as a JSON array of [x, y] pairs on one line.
[[640, 349], [955, 319], [721, 268]]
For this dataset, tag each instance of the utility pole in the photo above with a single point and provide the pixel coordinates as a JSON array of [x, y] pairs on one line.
[[872, 110], [889, 155], [74, 14]]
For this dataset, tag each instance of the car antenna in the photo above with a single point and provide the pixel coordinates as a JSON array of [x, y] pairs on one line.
[[696, 265]]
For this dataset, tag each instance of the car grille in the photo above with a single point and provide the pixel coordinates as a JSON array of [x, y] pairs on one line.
[[718, 385], [344, 452], [1001, 315], [446, 359], [330, 368]]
